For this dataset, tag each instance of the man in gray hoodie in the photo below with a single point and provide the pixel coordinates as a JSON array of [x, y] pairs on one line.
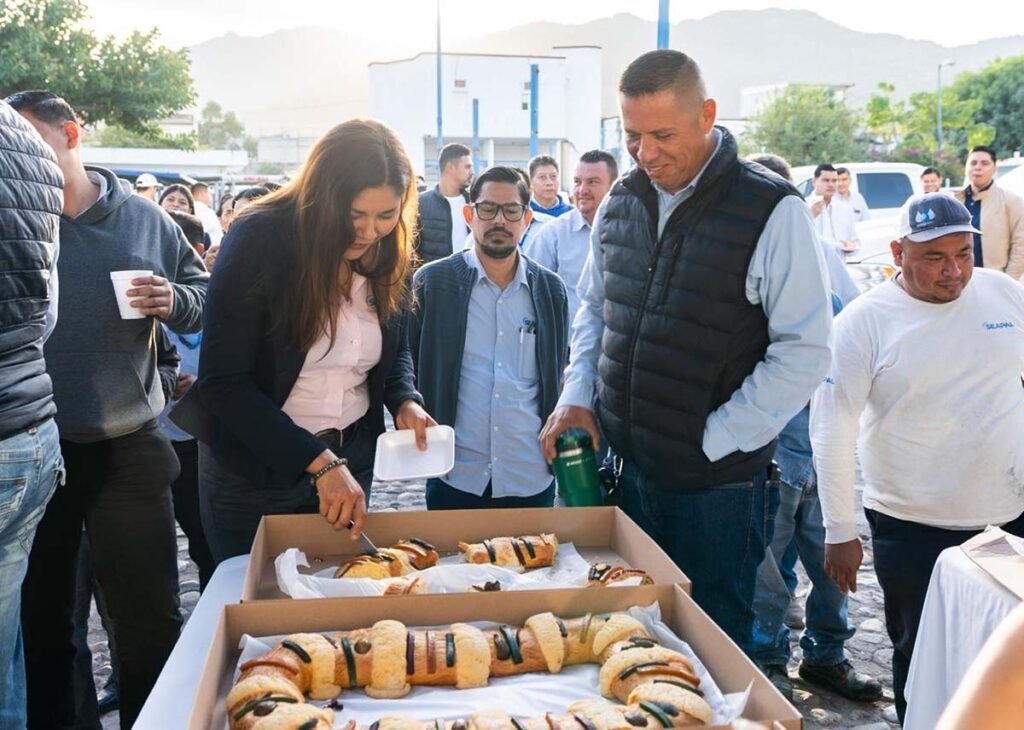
[[119, 466]]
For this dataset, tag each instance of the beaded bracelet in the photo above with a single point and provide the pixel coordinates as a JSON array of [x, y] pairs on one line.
[[332, 465]]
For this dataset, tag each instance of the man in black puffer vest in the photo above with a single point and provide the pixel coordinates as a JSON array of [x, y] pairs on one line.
[[440, 227], [31, 198], [703, 328]]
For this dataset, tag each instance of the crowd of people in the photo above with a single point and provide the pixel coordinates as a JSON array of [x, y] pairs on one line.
[[693, 315]]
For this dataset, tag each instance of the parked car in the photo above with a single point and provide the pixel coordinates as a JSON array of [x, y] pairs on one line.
[[872, 263], [884, 185]]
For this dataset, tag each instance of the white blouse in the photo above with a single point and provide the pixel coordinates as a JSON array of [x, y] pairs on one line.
[[331, 390]]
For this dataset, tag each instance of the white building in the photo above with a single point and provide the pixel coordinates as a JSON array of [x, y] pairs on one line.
[[200, 163], [185, 122], [403, 94], [284, 149]]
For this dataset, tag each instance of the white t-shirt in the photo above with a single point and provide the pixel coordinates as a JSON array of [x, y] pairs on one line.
[[459, 227], [856, 201], [836, 222], [211, 224], [932, 398]]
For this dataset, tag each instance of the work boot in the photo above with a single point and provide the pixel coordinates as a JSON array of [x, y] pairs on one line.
[[779, 676], [842, 679]]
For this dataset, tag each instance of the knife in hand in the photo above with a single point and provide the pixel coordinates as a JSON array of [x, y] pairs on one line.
[[368, 546]]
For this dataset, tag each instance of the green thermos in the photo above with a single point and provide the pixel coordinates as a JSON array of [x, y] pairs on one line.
[[576, 469]]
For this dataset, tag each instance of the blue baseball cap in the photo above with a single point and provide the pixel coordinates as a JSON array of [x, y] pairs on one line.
[[930, 216]]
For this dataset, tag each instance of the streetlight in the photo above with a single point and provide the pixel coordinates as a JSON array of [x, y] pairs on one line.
[[938, 110]]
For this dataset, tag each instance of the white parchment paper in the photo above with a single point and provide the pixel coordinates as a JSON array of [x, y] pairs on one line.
[[532, 694], [450, 575]]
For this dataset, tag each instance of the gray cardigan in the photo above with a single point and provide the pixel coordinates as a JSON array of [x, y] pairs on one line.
[[437, 332]]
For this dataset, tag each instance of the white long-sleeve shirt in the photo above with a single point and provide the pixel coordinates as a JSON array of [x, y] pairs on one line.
[[932, 395]]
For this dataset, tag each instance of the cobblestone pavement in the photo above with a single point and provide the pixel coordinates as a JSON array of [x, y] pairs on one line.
[[869, 649]]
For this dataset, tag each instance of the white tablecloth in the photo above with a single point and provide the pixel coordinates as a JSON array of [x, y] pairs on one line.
[[963, 607], [170, 702]]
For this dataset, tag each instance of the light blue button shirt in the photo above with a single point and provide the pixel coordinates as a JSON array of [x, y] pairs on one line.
[[787, 276], [562, 246], [498, 417]]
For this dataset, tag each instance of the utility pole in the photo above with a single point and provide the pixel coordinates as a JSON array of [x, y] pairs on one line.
[[534, 99], [663, 25], [440, 127], [476, 137]]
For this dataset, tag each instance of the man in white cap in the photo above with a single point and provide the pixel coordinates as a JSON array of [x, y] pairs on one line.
[[145, 185], [926, 386]]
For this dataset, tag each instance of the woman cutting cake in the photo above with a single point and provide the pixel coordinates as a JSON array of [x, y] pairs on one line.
[[303, 343]]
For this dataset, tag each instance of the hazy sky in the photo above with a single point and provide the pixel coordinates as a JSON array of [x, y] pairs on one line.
[[186, 22]]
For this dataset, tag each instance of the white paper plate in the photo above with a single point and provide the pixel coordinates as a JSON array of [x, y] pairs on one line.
[[398, 459]]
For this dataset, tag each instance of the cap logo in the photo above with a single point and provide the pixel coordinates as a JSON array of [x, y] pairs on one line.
[[925, 216]]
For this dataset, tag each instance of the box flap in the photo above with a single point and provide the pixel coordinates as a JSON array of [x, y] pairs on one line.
[[1001, 555]]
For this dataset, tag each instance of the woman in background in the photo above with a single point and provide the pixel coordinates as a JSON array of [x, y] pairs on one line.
[[177, 197]]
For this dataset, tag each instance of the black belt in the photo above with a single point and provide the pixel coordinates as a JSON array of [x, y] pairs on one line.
[[333, 439]]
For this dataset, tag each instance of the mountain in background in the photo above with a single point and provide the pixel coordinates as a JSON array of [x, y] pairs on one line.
[[303, 80]]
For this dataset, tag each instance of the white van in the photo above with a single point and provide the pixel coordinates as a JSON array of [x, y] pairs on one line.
[[884, 185]]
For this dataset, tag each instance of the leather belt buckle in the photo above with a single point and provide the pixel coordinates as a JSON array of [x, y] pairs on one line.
[[332, 438]]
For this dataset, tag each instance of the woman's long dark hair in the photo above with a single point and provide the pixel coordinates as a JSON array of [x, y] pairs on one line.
[[351, 157]]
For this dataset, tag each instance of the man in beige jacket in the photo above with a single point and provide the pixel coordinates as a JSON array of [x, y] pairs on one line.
[[998, 213]]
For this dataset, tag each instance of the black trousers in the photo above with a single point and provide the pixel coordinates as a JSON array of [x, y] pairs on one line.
[[231, 505], [82, 679], [185, 492], [120, 490], [905, 554]]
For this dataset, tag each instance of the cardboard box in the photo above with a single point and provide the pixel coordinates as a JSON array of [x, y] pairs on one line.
[[599, 533], [731, 669], [1001, 555]]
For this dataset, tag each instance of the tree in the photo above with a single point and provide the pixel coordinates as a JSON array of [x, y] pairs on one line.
[[222, 131], [127, 83], [905, 130], [115, 136], [808, 125], [998, 91], [885, 118]]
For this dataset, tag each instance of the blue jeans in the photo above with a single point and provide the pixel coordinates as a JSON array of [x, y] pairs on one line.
[[30, 468], [716, 535], [799, 525]]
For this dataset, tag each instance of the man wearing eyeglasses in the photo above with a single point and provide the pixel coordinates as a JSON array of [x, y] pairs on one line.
[[489, 337]]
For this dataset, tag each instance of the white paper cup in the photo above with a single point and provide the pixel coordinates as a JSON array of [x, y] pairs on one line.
[[122, 281]]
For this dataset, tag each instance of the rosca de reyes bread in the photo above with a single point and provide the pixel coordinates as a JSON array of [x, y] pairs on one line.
[[399, 560], [656, 686], [518, 553]]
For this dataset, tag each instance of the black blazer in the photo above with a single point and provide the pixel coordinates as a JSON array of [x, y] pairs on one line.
[[246, 371]]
